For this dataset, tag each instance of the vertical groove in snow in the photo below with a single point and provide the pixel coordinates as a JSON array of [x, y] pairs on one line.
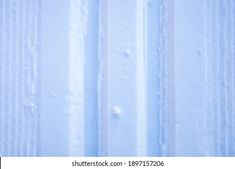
[[77, 34], [163, 82], [1, 73], [102, 79], [227, 87], [153, 78], [170, 119], [33, 87], [166, 77], [233, 75], [217, 75], [27, 65], [226, 74], [11, 75], [160, 67], [24, 32], [229, 61], [22, 65], [27, 69], [162, 77], [221, 76], [141, 78], [228, 79], [7, 83], [206, 68], [90, 81], [16, 58], [2, 34], [159, 80], [226, 82], [37, 71], [158, 77], [160, 73], [19, 78], [31, 78], [222, 46]]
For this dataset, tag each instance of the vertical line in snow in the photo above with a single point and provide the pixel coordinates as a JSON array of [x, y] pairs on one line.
[[16, 50], [166, 98], [26, 81], [202, 132], [24, 65], [10, 93], [33, 86], [232, 74], [30, 95], [77, 34], [230, 60], [218, 138], [158, 112], [37, 61], [206, 67], [170, 122], [160, 67], [226, 83], [1, 73], [141, 76], [153, 78], [19, 69], [227, 77], [163, 65], [7, 78], [163, 75], [166, 78], [102, 79], [160, 75], [222, 99], [231, 69], [17, 82], [21, 77], [90, 81], [214, 48], [14, 26]]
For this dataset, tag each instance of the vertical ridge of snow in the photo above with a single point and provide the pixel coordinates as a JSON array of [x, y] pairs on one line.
[[77, 34]]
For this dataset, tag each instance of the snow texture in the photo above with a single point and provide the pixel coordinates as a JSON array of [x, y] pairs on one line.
[[117, 78]]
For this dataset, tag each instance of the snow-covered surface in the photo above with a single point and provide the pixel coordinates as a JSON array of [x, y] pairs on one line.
[[117, 78]]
